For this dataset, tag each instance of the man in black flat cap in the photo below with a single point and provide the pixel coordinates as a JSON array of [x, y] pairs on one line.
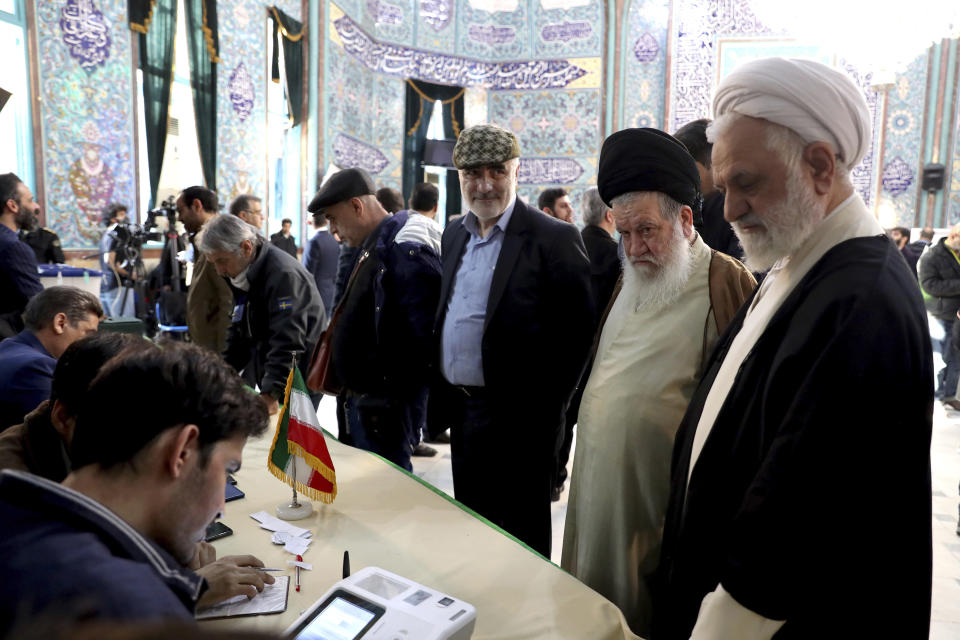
[[382, 338], [675, 297], [515, 323]]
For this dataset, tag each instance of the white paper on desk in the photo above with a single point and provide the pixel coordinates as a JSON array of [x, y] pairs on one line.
[[297, 546], [271, 523], [273, 599], [302, 565]]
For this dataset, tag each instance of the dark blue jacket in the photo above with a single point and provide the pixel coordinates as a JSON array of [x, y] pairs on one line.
[[19, 280], [66, 556], [26, 373], [321, 258], [381, 343]]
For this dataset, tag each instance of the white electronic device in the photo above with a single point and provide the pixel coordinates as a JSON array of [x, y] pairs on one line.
[[375, 604]]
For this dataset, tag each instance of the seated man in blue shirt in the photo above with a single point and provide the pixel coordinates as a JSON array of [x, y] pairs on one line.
[[54, 319], [114, 539]]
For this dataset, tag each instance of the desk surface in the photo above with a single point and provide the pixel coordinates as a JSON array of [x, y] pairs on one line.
[[388, 519]]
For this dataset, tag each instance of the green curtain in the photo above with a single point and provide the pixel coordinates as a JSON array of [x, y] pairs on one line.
[[203, 45], [156, 22], [292, 32]]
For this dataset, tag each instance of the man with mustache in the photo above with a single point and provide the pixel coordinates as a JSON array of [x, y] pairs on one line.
[[675, 298], [766, 534], [515, 322]]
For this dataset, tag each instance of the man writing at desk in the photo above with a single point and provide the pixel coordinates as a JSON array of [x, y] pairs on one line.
[[113, 541]]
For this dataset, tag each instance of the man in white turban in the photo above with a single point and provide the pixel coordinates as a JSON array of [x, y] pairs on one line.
[[800, 495]]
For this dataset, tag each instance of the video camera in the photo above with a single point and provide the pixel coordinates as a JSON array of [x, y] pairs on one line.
[[132, 236]]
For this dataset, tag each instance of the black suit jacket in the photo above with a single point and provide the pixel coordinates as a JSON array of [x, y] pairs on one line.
[[604, 265], [540, 316]]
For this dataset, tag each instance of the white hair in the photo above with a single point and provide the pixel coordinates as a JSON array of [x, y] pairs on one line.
[[226, 233], [786, 143], [669, 208]]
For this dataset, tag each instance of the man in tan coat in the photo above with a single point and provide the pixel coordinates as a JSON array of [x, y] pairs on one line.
[[209, 299], [675, 297]]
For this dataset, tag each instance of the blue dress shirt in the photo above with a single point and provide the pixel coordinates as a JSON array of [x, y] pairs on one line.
[[462, 337]]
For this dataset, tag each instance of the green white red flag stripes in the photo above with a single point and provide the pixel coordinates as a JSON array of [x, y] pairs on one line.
[[299, 449]]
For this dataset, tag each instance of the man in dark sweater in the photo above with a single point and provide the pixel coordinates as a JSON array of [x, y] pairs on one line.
[[283, 240]]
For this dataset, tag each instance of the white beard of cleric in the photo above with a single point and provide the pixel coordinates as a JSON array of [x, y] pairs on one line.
[[654, 282], [783, 228]]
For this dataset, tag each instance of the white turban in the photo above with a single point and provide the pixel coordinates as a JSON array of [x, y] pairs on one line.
[[818, 103]]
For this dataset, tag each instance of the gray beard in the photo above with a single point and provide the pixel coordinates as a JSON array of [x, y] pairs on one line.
[[655, 289], [787, 226]]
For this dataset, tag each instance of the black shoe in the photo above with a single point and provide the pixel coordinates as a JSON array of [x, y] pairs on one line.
[[953, 403], [443, 438], [555, 493], [424, 451]]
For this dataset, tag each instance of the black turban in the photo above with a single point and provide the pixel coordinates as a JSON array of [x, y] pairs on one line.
[[648, 160]]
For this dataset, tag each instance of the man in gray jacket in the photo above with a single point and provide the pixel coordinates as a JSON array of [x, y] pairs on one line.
[[278, 309]]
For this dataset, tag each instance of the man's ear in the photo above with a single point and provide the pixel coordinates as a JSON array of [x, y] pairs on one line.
[[62, 422], [608, 216], [59, 324], [179, 447], [686, 220], [822, 164]]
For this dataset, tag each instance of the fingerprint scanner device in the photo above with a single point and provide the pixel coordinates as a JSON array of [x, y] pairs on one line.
[[374, 604]]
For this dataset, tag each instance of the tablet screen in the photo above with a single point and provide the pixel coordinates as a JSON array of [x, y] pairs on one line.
[[342, 617]]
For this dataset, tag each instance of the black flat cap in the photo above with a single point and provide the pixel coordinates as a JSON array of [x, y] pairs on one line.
[[343, 185], [648, 160]]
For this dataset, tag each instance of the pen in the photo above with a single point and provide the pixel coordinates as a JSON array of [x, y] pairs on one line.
[[299, 559], [268, 569]]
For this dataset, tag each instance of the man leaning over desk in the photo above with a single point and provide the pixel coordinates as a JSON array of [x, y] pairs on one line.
[[114, 540]]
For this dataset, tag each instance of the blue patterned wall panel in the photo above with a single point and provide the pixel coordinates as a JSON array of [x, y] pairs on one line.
[[393, 20], [901, 153], [561, 33], [501, 35], [86, 114], [436, 25], [644, 65], [241, 119]]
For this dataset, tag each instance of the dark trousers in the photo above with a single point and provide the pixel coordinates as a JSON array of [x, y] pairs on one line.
[[376, 425], [570, 420], [503, 466]]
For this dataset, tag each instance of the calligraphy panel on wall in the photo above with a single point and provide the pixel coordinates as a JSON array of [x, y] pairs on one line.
[[497, 35], [436, 26], [573, 31], [644, 65], [86, 114]]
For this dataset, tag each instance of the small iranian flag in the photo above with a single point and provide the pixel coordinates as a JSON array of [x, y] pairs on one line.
[[302, 454]]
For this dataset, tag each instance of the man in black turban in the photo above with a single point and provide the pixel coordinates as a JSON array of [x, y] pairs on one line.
[[676, 296]]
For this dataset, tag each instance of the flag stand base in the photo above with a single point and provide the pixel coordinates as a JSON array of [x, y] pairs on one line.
[[295, 510]]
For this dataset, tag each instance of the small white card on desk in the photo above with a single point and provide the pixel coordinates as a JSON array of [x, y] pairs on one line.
[[296, 546], [273, 599], [271, 523]]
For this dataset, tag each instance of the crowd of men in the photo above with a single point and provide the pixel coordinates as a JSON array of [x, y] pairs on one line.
[[717, 447]]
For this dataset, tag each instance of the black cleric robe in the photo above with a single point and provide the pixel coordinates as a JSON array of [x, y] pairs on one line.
[[810, 500]]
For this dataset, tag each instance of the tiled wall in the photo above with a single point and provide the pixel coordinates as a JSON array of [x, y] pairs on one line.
[[86, 114], [538, 72]]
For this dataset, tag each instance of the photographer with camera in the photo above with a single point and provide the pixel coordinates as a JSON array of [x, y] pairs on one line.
[[209, 299], [114, 216]]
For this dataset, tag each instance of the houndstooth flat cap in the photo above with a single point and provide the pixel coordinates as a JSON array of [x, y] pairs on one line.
[[484, 144]]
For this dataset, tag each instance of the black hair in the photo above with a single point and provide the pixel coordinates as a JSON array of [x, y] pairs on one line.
[[549, 197], [425, 197], [191, 385], [242, 203], [391, 199], [904, 232], [286, 221], [9, 183], [81, 361], [112, 210], [693, 135], [75, 302], [207, 198]]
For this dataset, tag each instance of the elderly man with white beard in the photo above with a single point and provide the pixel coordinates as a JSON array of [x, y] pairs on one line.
[[675, 298], [793, 480]]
